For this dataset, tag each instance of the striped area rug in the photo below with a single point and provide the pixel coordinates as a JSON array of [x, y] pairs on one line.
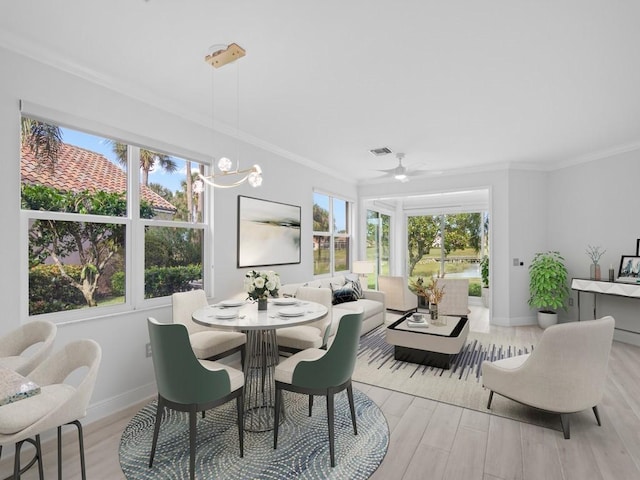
[[467, 365], [461, 385]]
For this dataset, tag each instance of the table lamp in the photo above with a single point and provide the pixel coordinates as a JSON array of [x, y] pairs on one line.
[[362, 268]]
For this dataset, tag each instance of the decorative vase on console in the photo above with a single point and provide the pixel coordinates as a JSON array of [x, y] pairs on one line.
[[594, 271], [594, 254]]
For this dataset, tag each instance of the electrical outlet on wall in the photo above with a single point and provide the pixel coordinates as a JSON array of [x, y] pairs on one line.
[[570, 302], [147, 349]]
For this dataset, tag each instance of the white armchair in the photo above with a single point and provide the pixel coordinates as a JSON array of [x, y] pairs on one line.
[[456, 296], [397, 294], [564, 374]]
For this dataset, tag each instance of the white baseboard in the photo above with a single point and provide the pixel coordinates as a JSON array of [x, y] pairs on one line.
[[627, 337], [110, 406]]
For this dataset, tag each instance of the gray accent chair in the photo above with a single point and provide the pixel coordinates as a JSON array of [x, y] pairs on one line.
[[208, 343], [187, 384], [57, 404], [322, 372], [22, 349], [565, 373]]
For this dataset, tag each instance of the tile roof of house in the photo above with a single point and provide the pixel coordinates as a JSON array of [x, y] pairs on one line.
[[79, 169]]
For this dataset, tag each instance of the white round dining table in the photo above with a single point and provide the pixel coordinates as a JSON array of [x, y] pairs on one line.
[[261, 351]]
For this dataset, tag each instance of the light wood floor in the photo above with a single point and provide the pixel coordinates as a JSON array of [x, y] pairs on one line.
[[439, 441]]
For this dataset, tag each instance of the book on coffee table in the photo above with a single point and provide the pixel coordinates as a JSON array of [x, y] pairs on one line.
[[422, 324]]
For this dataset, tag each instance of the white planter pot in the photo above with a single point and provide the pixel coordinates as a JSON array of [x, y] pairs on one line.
[[486, 297], [546, 319]]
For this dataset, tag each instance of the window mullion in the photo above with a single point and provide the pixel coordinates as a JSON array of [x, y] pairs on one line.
[[135, 234]]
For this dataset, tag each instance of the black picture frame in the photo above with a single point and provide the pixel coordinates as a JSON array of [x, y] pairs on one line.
[[638, 247], [268, 233], [629, 268]]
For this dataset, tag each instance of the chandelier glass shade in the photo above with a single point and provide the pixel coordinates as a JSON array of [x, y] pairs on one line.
[[228, 176]]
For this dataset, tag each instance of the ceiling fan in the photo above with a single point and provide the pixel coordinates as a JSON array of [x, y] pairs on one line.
[[402, 172]]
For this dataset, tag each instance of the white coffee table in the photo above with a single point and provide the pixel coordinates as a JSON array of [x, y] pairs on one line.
[[434, 346]]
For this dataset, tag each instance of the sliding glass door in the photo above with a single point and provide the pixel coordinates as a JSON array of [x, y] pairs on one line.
[[378, 244], [450, 245]]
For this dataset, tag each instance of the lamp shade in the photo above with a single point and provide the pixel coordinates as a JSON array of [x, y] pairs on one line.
[[362, 267]]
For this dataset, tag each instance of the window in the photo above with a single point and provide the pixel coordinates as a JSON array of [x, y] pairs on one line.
[[84, 235], [331, 234]]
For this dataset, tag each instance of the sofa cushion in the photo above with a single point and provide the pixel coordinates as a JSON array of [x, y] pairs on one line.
[[370, 307]]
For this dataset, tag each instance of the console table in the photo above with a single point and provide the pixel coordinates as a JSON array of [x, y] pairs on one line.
[[601, 287]]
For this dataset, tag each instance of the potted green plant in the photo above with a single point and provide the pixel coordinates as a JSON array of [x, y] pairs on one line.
[[548, 289], [484, 274]]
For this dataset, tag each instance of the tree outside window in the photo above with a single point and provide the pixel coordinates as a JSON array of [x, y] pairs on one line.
[[74, 195]]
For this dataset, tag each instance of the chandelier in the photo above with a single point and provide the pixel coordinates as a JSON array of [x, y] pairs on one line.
[[228, 175]]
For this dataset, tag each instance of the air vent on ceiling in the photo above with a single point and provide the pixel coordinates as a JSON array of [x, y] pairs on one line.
[[380, 151]]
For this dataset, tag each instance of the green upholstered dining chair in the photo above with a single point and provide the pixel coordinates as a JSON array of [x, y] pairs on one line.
[[207, 342], [187, 384], [322, 372]]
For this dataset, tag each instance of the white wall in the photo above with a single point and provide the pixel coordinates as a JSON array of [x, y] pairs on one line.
[[597, 203], [126, 375], [527, 235], [285, 182]]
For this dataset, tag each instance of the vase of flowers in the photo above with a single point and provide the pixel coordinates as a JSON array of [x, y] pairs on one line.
[[260, 284], [433, 293], [594, 254]]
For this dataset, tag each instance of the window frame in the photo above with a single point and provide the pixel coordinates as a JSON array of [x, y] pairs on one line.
[[332, 235], [134, 238]]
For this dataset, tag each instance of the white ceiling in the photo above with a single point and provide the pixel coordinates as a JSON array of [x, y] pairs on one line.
[[453, 84]]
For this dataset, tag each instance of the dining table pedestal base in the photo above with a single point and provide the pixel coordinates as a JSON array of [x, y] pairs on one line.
[[259, 390]]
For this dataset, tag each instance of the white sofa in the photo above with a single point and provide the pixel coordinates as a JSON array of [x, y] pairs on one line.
[[373, 303]]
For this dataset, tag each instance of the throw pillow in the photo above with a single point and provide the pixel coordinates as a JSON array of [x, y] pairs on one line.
[[344, 294], [357, 288]]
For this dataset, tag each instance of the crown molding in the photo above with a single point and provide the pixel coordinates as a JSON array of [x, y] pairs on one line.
[[52, 59]]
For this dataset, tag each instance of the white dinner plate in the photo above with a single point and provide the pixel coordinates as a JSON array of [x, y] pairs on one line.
[[231, 303], [227, 313], [284, 301], [291, 312]]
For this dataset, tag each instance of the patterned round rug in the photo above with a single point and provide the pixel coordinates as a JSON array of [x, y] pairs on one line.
[[303, 443]]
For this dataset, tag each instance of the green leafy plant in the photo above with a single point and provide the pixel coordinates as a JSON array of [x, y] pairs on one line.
[[548, 289], [484, 271]]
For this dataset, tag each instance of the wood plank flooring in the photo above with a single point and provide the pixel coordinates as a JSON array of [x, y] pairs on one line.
[[439, 441]]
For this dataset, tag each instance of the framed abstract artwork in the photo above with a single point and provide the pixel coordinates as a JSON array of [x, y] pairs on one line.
[[268, 233]]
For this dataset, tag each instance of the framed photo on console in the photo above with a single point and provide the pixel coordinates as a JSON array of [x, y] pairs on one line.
[[629, 269], [268, 233], [638, 248]]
